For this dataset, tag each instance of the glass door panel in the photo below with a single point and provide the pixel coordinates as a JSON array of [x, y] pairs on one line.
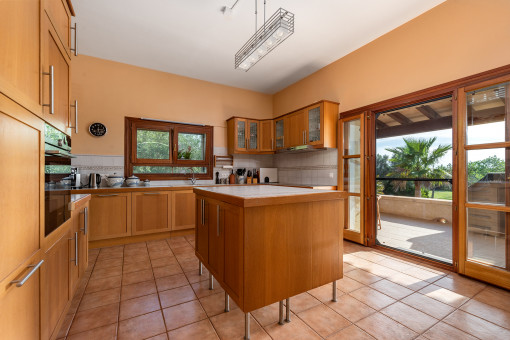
[[314, 125], [253, 136], [351, 156], [241, 134], [279, 133]]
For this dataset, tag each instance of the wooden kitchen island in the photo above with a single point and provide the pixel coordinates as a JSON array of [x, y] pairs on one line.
[[265, 244]]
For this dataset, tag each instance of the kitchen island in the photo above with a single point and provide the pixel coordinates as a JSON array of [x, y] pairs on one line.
[[265, 244]]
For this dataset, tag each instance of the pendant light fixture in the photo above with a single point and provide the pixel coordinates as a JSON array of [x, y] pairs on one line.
[[272, 33]]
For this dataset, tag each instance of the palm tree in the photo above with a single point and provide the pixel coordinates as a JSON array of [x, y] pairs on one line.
[[416, 160]]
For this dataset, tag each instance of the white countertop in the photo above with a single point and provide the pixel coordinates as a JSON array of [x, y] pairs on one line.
[[259, 191]]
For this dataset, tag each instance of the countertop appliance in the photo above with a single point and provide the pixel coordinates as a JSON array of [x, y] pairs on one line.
[[57, 172], [94, 180], [271, 173]]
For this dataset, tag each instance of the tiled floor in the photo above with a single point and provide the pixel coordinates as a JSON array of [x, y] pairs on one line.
[[153, 291]]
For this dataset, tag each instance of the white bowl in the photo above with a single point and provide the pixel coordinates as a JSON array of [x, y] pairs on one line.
[[132, 181], [114, 181]]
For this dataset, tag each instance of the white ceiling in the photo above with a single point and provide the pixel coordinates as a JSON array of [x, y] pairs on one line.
[[193, 38]]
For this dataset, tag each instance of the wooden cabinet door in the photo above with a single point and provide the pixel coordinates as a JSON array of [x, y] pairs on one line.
[[314, 128], [282, 133], [232, 228], [297, 129], [19, 52], [183, 209], [83, 239], [216, 240], [110, 216], [79, 246], [19, 306], [266, 135], [60, 17], [202, 229], [54, 285], [20, 204], [253, 134], [151, 212], [241, 134], [54, 57], [74, 255]]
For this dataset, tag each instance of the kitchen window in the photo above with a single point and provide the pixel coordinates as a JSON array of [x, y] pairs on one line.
[[157, 150]]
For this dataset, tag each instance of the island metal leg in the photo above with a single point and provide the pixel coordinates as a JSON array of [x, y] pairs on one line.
[[287, 318], [200, 270], [280, 320], [334, 292], [247, 326], [227, 303], [211, 282]]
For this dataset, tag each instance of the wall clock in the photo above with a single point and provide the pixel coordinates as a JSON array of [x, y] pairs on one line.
[[97, 129]]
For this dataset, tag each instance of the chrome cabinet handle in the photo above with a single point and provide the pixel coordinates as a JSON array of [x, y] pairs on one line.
[[51, 105], [306, 139], [272, 147], [110, 195], [217, 220], [75, 116], [21, 282], [75, 49], [152, 193], [202, 203], [85, 213], [283, 141], [75, 238]]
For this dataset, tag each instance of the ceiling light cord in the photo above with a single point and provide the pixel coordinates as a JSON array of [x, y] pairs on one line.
[[255, 16]]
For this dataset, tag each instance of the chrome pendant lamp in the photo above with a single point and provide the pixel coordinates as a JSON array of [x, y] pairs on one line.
[[272, 33]]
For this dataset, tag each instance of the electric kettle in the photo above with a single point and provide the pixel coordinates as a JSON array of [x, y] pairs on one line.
[[94, 180]]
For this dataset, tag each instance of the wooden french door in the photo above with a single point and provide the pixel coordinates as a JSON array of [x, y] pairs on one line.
[[351, 164], [484, 181]]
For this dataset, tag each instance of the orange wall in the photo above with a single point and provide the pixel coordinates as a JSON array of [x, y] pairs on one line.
[[108, 91], [455, 39]]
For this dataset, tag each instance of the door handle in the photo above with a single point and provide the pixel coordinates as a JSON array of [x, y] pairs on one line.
[[217, 220], [152, 193], [51, 74], [21, 282], [75, 238], [75, 49], [75, 116], [111, 195], [202, 206], [85, 213]]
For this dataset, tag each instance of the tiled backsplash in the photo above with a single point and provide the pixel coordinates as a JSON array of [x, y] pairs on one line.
[[317, 167]]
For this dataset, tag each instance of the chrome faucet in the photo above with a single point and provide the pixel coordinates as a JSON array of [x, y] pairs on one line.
[[193, 179]]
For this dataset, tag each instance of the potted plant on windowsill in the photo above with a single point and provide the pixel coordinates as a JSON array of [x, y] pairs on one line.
[[184, 153]]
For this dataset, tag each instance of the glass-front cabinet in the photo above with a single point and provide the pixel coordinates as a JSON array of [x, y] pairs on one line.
[[280, 133], [314, 123], [253, 135]]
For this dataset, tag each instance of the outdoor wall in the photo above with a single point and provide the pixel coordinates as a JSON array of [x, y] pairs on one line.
[[108, 91], [416, 207], [455, 39]]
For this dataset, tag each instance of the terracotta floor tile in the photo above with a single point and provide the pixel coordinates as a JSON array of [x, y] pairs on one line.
[[100, 298], [136, 252], [461, 285], [391, 289], [135, 246], [363, 276], [324, 320], [108, 263], [381, 271], [352, 332], [183, 314], [106, 272], [202, 330], [296, 330], [163, 261], [424, 274], [215, 304], [172, 269], [372, 298], [475, 326], [444, 331], [395, 264], [202, 288], [384, 328], [141, 327], [108, 332], [193, 276], [444, 295], [487, 312], [189, 265], [428, 305], [370, 255], [350, 308], [108, 256], [94, 318], [136, 266], [408, 281], [138, 306], [170, 282], [186, 256], [266, 315], [163, 336], [348, 285], [138, 258], [231, 326], [348, 267], [160, 253], [495, 297], [135, 277], [176, 296], [324, 293], [302, 302], [409, 317], [98, 284], [138, 289]]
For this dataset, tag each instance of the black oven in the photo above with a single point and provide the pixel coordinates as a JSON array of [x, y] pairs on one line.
[[57, 180]]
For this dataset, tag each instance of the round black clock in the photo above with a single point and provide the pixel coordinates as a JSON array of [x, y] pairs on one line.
[[97, 129]]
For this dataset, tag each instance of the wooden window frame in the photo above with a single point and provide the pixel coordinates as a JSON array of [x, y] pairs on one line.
[[131, 125]]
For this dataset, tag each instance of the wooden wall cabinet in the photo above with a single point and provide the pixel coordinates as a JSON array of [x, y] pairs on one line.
[[183, 209], [243, 135], [110, 216], [297, 128], [151, 212], [321, 122], [266, 135]]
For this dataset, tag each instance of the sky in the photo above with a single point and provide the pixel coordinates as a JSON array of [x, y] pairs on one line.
[[485, 133]]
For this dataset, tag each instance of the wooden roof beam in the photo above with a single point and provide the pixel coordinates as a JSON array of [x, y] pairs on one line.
[[381, 125], [428, 112], [400, 118], [418, 127]]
